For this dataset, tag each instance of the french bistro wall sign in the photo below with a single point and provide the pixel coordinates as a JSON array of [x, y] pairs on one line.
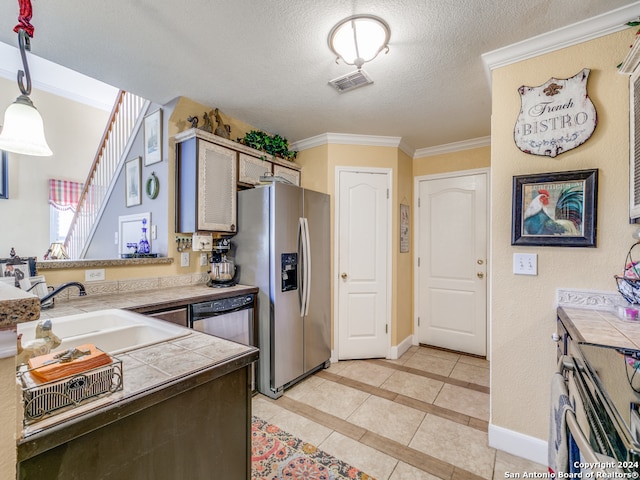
[[556, 116]]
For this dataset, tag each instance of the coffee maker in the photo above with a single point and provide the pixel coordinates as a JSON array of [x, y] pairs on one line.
[[223, 269]]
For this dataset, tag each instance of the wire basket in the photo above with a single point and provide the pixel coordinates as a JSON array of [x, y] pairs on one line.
[[41, 399], [629, 282]]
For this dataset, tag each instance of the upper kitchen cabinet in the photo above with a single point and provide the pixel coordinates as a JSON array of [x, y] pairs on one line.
[[205, 186], [209, 171]]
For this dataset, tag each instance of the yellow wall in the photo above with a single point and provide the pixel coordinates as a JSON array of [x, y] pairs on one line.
[[319, 165], [402, 275], [177, 123], [73, 131], [523, 307]]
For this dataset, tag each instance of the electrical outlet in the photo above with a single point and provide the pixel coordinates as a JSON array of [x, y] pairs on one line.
[[115, 238], [184, 259], [203, 259], [154, 232], [525, 263], [94, 275]]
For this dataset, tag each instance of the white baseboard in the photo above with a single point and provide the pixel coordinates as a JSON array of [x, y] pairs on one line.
[[518, 444], [398, 350]]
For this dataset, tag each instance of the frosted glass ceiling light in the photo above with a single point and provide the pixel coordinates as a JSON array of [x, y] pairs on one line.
[[359, 39], [23, 130]]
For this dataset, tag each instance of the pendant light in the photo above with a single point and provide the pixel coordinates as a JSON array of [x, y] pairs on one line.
[[359, 39], [23, 130]]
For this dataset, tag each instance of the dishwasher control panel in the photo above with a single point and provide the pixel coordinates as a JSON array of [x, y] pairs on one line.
[[222, 305]]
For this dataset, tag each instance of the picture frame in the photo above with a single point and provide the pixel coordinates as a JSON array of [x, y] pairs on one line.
[[132, 182], [130, 231], [555, 209], [153, 138], [4, 175], [17, 268], [404, 228]]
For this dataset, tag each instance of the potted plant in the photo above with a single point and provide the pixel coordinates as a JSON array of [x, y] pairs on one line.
[[276, 145]]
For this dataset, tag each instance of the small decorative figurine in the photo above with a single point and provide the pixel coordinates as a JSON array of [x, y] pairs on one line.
[[222, 130], [207, 127], [193, 120]]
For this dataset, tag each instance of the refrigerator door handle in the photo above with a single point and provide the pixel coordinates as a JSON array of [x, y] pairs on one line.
[[307, 268], [302, 292]]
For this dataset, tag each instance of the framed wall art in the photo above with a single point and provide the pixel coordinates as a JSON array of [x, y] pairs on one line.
[[153, 138], [4, 174], [555, 209], [404, 228], [132, 181]]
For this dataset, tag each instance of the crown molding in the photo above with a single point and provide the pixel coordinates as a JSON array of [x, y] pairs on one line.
[[58, 80], [453, 147], [598, 26], [352, 139]]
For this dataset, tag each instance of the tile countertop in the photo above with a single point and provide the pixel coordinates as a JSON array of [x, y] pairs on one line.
[[144, 300], [150, 374], [602, 327]]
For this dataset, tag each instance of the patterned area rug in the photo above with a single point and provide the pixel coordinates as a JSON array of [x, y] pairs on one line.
[[278, 455]]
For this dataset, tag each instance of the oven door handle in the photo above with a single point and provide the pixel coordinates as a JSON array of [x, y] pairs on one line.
[[567, 363]]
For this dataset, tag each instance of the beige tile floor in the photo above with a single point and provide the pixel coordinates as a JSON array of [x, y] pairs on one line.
[[421, 417]]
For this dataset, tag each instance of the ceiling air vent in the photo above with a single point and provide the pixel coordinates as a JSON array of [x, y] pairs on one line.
[[352, 80]]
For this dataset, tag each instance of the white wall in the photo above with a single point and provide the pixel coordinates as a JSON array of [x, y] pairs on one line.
[[73, 131]]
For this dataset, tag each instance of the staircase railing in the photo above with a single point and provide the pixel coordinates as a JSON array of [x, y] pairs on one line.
[[124, 122]]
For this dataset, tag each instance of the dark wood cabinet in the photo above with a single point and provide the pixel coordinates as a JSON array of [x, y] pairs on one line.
[[176, 315]]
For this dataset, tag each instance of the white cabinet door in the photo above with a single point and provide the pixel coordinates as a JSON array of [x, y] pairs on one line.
[[216, 209], [250, 169]]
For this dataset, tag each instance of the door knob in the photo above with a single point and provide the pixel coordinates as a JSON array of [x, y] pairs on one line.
[[480, 275], [344, 276]]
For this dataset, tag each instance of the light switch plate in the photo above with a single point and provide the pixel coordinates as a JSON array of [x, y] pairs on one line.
[[184, 259], [525, 263]]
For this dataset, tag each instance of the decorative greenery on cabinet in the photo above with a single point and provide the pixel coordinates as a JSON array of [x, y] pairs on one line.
[[274, 145]]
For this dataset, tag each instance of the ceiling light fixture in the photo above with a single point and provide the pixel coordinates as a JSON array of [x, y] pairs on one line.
[[359, 39], [23, 130]]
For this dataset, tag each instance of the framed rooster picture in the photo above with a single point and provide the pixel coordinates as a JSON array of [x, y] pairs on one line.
[[555, 209]]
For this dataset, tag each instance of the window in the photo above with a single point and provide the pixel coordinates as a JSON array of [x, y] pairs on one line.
[[63, 201]]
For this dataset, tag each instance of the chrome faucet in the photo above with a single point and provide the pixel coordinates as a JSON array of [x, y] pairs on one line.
[[57, 290]]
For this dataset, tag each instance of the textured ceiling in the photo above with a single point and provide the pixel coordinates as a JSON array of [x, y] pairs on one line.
[[267, 63]]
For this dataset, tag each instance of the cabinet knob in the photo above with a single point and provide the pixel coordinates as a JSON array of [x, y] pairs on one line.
[[480, 275], [555, 337], [344, 276]]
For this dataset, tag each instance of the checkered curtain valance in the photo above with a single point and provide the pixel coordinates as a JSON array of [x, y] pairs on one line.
[[64, 194]]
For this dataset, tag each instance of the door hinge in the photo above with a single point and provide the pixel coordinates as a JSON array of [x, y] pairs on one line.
[[387, 193], [418, 321], [418, 202], [386, 328], [418, 261]]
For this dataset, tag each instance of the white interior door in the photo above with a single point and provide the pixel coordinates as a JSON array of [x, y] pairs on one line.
[[362, 264], [452, 258]]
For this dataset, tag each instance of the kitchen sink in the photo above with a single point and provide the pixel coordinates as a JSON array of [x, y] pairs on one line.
[[112, 331]]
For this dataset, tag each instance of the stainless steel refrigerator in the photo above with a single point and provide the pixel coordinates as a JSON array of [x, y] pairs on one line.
[[282, 247]]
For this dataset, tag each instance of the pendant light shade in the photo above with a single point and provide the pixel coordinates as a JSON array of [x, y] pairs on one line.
[[23, 130], [359, 39]]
